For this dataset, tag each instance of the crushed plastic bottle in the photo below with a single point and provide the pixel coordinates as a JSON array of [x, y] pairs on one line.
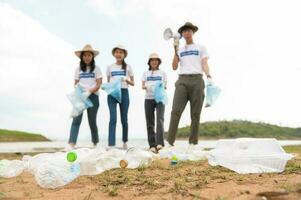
[[52, 176], [11, 168]]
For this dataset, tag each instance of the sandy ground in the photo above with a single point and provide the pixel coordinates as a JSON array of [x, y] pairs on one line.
[[160, 180]]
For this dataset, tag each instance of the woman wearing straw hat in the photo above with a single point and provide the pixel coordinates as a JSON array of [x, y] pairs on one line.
[[119, 69], [190, 85], [149, 80], [89, 77]]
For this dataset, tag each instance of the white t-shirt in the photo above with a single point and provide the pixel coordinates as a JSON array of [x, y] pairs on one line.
[[87, 79], [190, 58], [151, 78], [115, 71]]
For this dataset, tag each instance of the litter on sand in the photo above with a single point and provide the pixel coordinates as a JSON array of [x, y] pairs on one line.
[[249, 155], [53, 170]]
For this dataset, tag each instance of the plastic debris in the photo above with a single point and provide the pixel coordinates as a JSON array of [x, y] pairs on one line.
[[249, 155]]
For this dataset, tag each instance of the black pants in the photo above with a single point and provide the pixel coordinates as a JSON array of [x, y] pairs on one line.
[[154, 138]]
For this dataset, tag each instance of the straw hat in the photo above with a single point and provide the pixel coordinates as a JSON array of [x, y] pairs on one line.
[[88, 48], [154, 56], [122, 48], [188, 25]]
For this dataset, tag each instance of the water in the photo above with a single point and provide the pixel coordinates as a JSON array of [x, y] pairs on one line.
[[27, 147]]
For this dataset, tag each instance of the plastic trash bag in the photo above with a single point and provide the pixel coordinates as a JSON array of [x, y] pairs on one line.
[[160, 93], [79, 100], [212, 93], [113, 88], [249, 155]]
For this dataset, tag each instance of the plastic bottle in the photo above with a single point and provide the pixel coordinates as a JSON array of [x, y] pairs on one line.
[[11, 168]]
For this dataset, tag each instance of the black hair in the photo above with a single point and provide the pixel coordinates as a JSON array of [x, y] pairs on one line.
[[83, 65], [150, 67]]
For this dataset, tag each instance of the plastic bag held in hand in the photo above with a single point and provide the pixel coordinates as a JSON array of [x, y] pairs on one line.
[[212, 93], [160, 93], [113, 88], [80, 101]]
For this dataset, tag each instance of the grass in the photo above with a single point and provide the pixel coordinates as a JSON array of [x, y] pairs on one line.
[[185, 179], [240, 128], [20, 136]]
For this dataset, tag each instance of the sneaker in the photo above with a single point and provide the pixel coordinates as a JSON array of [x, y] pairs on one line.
[[70, 147], [95, 146], [153, 149], [125, 146], [159, 147]]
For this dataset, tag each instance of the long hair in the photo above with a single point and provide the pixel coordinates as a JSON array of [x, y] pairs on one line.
[[150, 67], [83, 65]]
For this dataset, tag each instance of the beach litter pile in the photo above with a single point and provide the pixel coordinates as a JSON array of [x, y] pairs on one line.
[[53, 170]]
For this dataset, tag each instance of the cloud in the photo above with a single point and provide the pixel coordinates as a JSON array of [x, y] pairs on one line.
[[37, 69], [253, 47]]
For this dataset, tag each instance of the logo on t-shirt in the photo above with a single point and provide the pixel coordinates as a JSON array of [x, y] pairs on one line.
[[118, 73], [87, 75], [154, 78], [189, 53]]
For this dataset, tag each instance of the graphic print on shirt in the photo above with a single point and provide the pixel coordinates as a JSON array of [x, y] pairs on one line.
[[87, 75], [118, 73], [154, 78], [190, 53]]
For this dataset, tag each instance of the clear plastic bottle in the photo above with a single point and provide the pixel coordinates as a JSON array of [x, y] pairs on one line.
[[11, 168]]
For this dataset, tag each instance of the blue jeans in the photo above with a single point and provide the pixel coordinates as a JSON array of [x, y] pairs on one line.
[[92, 115], [124, 107]]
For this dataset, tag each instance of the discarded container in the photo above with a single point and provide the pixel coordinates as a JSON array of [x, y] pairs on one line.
[[11, 168], [174, 160], [249, 155], [123, 163], [71, 156]]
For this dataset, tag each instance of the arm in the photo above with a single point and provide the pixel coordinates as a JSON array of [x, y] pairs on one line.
[[205, 67], [131, 81], [143, 85], [75, 82], [97, 86], [175, 62]]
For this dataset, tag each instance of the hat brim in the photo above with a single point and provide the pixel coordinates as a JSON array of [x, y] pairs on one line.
[[115, 48], [79, 52], [159, 59], [192, 27]]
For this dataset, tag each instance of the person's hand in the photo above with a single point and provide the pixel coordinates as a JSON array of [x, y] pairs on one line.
[[209, 80], [176, 44], [144, 88]]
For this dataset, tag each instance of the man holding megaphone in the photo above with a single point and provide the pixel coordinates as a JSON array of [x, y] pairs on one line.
[[190, 85]]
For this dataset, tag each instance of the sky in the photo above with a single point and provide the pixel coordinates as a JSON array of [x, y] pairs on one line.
[[254, 49]]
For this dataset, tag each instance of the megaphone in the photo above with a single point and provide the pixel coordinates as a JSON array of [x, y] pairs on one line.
[[168, 34]]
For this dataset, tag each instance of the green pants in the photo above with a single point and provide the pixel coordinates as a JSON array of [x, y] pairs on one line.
[[188, 88]]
